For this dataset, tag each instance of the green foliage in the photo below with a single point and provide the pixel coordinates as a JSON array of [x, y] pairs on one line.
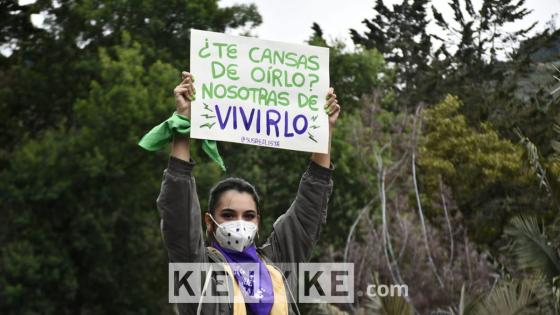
[[447, 132], [84, 235], [360, 73], [400, 35], [531, 248], [78, 194], [467, 55], [356, 73], [483, 170], [51, 67], [511, 298]]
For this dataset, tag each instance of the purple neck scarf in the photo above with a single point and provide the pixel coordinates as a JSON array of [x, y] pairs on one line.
[[259, 295]]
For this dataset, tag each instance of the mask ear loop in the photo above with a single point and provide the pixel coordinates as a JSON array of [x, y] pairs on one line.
[[211, 217]]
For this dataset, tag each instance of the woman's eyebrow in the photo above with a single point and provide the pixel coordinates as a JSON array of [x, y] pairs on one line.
[[228, 210]]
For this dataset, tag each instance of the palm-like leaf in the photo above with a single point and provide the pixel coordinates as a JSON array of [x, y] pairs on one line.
[[389, 305], [531, 249], [531, 295], [557, 79], [510, 298], [326, 309], [467, 305]]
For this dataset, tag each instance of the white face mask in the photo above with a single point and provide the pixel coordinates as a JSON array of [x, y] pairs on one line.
[[235, 235]]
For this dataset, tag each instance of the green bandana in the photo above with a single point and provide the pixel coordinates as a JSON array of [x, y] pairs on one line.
[[157, 138]]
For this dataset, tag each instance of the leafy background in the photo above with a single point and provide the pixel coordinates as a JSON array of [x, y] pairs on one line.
[[446, 156]]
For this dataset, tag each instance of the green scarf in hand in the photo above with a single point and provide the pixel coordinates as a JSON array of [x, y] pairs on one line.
[[157, 138]]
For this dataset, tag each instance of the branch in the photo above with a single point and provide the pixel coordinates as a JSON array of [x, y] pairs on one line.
[[420, 212], [387, 246], [447, 221]]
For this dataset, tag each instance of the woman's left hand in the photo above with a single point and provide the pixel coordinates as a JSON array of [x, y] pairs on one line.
[[332, 107]]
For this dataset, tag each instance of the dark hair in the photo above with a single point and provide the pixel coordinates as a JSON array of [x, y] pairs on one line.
[[231, 183]]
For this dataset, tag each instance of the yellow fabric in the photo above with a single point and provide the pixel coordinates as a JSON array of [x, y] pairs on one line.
[[280, 305], [238, 300]]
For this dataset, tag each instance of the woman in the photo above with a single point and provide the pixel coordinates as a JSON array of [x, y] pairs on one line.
[[232, 221]]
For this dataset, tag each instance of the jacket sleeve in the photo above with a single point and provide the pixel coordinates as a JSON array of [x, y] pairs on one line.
[[296, 232], [179, 209]]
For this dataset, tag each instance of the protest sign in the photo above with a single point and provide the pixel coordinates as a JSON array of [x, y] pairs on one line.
[[259, 92]]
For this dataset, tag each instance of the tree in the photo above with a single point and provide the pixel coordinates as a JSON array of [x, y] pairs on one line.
[[355, 74], [485, 172], [479, 70], [465, 56], [83, 232], [52, 66], [400, 36]]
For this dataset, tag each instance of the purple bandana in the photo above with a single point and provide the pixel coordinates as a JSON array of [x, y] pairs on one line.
[[261, 295]]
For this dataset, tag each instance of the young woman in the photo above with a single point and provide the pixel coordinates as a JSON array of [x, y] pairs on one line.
[[232, 221]]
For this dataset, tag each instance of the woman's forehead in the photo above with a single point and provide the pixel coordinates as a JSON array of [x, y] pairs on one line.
[[235, 200]]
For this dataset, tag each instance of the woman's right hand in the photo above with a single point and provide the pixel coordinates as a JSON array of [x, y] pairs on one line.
[[184, 94]]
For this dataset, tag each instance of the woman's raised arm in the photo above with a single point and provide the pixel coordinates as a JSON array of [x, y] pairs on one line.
[[333, 110], [178, 203], [297, 231], [184, 93]]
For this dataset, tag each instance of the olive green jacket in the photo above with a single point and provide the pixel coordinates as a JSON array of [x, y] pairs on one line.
[[294, 233]]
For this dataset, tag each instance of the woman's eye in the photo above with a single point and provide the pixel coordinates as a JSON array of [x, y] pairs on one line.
[[249, 216]]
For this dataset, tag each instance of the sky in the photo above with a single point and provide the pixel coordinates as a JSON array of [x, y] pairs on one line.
[[291, 20]]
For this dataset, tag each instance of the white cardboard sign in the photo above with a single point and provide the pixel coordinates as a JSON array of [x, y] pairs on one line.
[[259, 92]]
